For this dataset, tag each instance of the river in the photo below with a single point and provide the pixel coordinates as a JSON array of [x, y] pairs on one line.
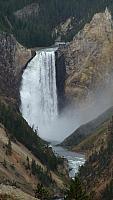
[[75, 160]]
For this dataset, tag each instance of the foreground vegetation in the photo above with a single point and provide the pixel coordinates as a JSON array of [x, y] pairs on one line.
[[76, 191], [18, 128]]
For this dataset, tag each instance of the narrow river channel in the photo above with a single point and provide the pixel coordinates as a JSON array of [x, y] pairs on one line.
[[75, 160]]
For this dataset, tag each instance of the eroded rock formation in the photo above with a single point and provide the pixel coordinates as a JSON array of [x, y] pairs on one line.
[[89, 57], [13, 58]]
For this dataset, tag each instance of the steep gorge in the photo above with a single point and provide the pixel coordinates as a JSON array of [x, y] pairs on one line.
[[89, 65]]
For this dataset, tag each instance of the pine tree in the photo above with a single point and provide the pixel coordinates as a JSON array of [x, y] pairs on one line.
[[9, 148], [108, 193], [42, 193], [4, 163], [28, 164], [76, 191], [33, 167]]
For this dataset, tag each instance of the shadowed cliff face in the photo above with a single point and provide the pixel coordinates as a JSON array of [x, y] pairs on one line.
[[60, 78], [13, 58], [89, 58]]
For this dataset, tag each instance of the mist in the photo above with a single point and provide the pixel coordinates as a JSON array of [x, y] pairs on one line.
[[74, 116]]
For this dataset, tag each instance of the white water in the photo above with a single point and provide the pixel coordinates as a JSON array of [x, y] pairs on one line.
[[75, 160], [38, 91], [39, 104]]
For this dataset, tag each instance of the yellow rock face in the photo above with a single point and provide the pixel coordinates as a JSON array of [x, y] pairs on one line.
[[89, 57]]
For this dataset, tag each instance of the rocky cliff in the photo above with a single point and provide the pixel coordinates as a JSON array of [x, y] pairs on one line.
[[13, 58], [60, 78], [88, 58], [97, 173]]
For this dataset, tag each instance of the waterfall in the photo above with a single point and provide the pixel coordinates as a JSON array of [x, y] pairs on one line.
[[38, 92]]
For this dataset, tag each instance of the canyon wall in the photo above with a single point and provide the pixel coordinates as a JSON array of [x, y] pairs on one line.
[[83, 66], [60, 78], [13, 58], [89, 58]]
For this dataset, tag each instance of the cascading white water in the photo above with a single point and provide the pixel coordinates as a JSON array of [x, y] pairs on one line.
[[38, 92]]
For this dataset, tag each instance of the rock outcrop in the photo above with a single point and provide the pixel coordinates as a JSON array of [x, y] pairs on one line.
[[13, 58], [28, 11], [88, 58], [63, 29]]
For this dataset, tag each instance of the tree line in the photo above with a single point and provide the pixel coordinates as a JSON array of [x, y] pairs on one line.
[[37, 29]]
